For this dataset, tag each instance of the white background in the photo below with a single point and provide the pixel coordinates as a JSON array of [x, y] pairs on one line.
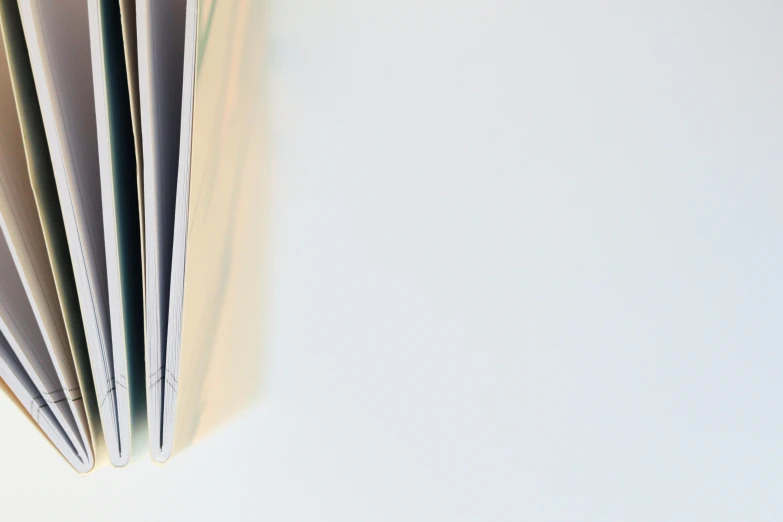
[[525, 264]]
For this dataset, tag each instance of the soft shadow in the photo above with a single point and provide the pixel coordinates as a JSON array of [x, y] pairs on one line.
[[221, 358]]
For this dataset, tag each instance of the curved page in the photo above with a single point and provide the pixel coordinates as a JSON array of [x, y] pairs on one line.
[[20, 384], [161, 41], [25, 248], [213, 337], [18, 326], [57, 36], [120, 204]]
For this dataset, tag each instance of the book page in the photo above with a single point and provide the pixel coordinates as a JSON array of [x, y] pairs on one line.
[[29, 397], [39, 167], [214, 330], [25, 246], [18, 326], [120, 213], [129, 40], [161, 40], [57, 35]]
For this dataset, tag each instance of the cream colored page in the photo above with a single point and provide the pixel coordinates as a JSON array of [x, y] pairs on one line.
[[218, 368]]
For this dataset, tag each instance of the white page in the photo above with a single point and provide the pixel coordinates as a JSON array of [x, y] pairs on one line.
[[57, 35], [119, 191], [19, 327], [161, 39], [20, 384], [180, 235], [26, 247]]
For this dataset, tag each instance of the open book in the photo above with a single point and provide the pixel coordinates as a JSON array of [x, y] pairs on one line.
[[119, 164]]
